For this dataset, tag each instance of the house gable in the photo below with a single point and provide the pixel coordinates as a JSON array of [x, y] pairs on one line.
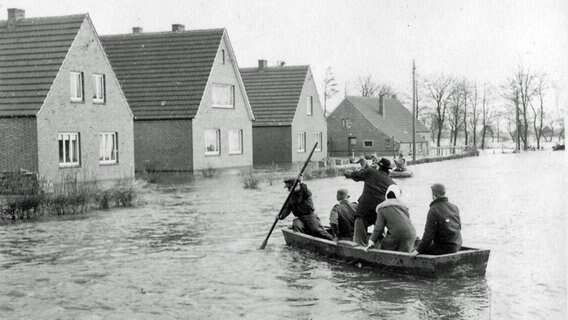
[[88, 118]]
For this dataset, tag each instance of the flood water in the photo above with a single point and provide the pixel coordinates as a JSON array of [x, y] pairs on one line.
[[191, 252]]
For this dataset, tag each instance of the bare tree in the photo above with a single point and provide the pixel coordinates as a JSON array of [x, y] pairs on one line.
[[368, 87], [474, 119], [438, 92], [457, 98], [329, 88], [521, 89], [486, 116], [538, 113]]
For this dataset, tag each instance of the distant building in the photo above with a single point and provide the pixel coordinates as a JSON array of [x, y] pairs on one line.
[[289, 116], [189, 103], [367, 125], [62, 113]]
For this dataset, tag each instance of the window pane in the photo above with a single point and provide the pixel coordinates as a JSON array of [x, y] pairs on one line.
[[212, 141], [235, 141], [223, 95], [61, 150], [75, 149]]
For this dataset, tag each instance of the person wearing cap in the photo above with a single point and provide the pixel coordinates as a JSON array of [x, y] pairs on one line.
[[302, 206], [442, 233], [342, 216], [394, 215], [376, 183]]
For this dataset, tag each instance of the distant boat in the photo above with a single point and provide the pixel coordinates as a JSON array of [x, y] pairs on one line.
[[401, 174], [468, 262], [558, 147]]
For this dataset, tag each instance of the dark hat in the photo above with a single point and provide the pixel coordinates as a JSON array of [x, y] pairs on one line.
[[384, 163], [290, 180], [342, 193], [438, 188]]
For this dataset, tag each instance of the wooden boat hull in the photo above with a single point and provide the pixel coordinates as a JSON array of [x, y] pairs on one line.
[[468, 262]]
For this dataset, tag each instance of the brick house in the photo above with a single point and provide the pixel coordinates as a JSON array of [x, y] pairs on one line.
[[367, 125], [62, 112], [289, 116], [190, 108]]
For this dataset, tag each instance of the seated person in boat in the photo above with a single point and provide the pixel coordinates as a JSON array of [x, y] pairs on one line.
[[442, 233], [342, 216], [302, 206], [400, 163], [393, 214]]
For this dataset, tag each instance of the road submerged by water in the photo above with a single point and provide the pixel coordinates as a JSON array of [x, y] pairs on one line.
[[192, 252]]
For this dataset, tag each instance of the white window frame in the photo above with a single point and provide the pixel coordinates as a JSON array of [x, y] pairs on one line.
[[346, 123], [223, 61], [387, 143], [100, 88], [310, 106], [371, 141], [72, 152], [238, 147], [318, 137], [76, 86], [302, 141], [220, 88], [217, 146], [108, 154]]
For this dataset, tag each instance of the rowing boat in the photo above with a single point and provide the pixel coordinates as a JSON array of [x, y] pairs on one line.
[[468, 262]]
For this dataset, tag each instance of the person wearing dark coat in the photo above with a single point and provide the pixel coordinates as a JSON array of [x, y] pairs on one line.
[[376, 183], [442, 233], [393, 214], [302, 206], [342, 216]]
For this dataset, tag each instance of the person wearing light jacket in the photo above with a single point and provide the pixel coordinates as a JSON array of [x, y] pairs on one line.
[[393, 214]]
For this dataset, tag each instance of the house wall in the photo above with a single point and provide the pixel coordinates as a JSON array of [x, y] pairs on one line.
[[224, 119], [163, 145], [272, 145], [361, 128], [311, 124], [18, 145], [60, 115]]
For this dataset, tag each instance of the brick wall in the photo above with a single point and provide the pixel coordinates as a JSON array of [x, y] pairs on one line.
[[164, 145], [89, 119], [18, 182], [18, 144], [361, 128], [272, 144]]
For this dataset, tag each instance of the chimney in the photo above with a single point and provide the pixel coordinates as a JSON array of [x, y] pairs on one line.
[[262, 65], [178, 27], [381, 106], [137, 30], [15, 15]]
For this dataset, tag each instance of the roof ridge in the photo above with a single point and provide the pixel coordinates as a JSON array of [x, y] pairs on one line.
[[162, 32], [52, 17]]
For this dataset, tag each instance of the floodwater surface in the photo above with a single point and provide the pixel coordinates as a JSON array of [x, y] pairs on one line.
[[191, 252]]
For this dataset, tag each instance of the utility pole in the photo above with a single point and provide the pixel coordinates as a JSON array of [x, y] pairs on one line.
[[413, 111]]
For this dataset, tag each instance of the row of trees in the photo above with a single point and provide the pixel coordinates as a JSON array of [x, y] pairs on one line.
[[474, 113]]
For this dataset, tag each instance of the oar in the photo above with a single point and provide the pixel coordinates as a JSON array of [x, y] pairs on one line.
[[263, 245]]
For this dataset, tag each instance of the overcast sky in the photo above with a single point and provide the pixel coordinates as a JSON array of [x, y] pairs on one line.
[[482, 40]]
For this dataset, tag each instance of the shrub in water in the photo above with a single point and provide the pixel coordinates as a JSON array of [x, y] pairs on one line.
[[250, 181]]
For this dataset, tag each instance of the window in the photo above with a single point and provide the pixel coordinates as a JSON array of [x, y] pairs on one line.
[[68, 149], [301, 142], [387, 143], [212, 142], [310, 106], [318, 137], [346, 123], [76, 83], [100, 88], [222, 56], [235, 141], [223, 95], [108, 147], [368, 143]]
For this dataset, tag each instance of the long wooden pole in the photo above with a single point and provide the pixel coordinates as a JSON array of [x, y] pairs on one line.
[[413, 111], [263, 245]]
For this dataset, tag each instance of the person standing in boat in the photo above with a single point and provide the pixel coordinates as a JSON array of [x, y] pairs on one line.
[[393, 214], [400, 163], [442, 233], [342, 216], [376, 184], [302, 206]]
